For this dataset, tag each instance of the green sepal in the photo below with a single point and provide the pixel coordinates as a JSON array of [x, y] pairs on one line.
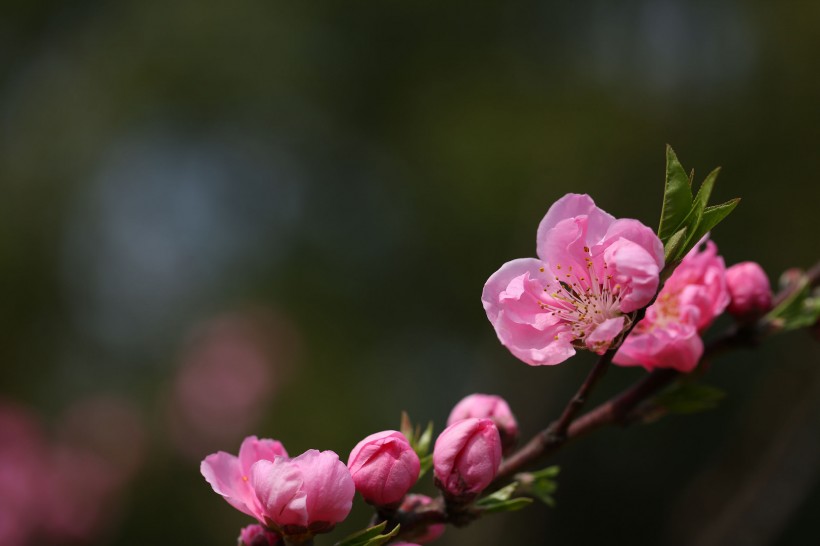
[[677, 197], [372, 536]]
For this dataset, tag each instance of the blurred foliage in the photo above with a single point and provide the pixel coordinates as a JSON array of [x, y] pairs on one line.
[[360, 169]]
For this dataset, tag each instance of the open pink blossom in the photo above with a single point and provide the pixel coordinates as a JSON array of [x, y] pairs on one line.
[[308, 494], [230, 475], [669, 335], [592, 271]]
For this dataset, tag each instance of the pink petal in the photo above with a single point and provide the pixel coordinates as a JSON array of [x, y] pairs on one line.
[[636, 270], [601, 338], [676, 346], [570, 206], [223, 472], [253, 449], [328, 486], [279, 489]]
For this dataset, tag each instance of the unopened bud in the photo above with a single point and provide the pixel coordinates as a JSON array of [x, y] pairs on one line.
[[384, 467], [489, 406], [749, 289], [466, 458], [413, 503], [256, 535]]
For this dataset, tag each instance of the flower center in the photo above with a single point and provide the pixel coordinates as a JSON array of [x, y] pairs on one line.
[[583, 297]]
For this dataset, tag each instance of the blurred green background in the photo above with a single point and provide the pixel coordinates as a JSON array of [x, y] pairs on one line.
[[232, 218]]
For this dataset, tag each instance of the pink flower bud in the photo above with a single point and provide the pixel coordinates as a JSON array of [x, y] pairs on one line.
[[384, 467], [488, 406], [749, 289], [466, 458], [256, 535], [413, 502], [305, 495]]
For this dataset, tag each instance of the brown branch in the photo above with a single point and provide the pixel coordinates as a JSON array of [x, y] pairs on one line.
[[618, 409]]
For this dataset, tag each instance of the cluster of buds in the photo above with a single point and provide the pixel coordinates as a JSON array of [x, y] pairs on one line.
[[294, 499]]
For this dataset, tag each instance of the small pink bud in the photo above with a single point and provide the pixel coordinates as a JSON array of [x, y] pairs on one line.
[[488, 406], [412, 503], [384, 467], [466, 458], [749, 289], [256, 535]]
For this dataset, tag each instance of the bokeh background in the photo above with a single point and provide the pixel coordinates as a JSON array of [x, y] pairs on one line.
[[231, 218]]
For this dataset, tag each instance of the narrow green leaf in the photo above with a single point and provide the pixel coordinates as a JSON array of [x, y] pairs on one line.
[[800, 310], [406, 426], [677, 196], [423, 443], [371, 536], [672, 248], [382, 539], [540, 485], [502, 494], [712, 216], [506, 506], [705, 190], [426, 464]]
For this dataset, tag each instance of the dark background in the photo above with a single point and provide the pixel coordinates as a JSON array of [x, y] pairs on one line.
[[323, 188]]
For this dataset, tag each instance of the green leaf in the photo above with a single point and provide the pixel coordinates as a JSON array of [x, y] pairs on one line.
[[685, 398], [672, 248], [677, 197], [422, 445], [371, 536], [506, 506], [800, 310], [501, 500], [502, 494], [406, 426], [426, 464], [540, 485], [420, 441], [712, 216]]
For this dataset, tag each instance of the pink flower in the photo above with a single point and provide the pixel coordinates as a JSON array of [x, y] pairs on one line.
[[488, 406], [256, 535], [230, 476], [466, 457], [427, 534], [308, 494], [384, 467], [669, 335], [751, 294], [592, 271]]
